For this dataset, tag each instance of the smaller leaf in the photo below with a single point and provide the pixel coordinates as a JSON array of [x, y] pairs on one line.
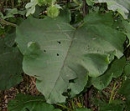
[[102, 81], [117, 5], [96, 64], [126, 26], [125, 88], [31, 7], [90, 2], [29, 103], [127, 70], [114, 71], [111, 107], [10, 65], [82, 109], [125, 91], [45, 2], [117, 67], [11, 12], [42, 2]]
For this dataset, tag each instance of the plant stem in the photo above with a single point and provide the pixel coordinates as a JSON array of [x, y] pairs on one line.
[[4, 22], [12, 3], [112, 93], [64, 107]]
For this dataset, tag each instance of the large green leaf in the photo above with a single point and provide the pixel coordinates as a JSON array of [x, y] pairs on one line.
[[29, 103], [122, 6], [10, 66], [61, 57]]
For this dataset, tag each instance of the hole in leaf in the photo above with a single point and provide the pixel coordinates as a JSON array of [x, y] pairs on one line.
[[44, 50], [65, 93], [36, 76], [14, 45], [57, 54], [38, 81], [27, 109], [71, 81], [59, 42], [68, 90], [98, 51]]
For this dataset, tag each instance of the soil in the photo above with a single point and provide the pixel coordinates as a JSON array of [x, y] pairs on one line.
[[27, 86]]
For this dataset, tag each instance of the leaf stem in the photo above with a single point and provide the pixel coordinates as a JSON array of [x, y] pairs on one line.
[[12, 3], [4, 22], [63, 106], [112, 93]]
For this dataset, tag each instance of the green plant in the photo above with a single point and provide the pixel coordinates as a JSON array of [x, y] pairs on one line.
[[68, 47]]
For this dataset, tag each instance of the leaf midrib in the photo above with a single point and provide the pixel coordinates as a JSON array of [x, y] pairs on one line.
[[72, 40]]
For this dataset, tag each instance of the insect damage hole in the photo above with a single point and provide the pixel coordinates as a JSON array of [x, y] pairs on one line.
[[57, 54], [71, 81], [59, 42]]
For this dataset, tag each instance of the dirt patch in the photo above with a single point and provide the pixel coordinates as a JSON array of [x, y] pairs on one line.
[[27, 86]]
